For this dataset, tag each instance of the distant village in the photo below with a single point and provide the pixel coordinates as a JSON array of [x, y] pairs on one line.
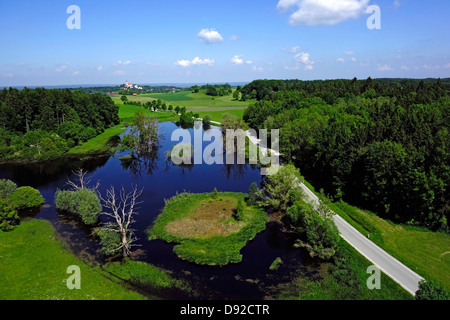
[[132, 86]]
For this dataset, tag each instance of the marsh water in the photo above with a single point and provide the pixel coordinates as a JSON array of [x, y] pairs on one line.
[[161, 180]]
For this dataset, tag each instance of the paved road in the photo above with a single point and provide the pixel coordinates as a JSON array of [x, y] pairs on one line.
[[400, 273]]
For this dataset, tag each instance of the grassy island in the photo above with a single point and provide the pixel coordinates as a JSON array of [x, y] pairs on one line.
[[208, 228]]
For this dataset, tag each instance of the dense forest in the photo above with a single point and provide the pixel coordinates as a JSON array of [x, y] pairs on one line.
[[381, 144], [43, 124]]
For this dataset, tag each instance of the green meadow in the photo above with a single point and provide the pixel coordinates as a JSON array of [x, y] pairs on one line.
[[33, 266], [188, 100]]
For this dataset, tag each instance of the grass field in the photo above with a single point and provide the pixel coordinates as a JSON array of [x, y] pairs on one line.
[[188, 100], [126, 112], [33, 266], [205, 229], [426, 252], [218, 115], [342, 280], [99, 144]]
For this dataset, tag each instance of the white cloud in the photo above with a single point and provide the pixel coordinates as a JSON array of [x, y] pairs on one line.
[[237, 59], [210, 36], [405, 68], [447, 66], [8, 75], [76, 73], [384, 68], [322, 12], [234, 38], [258, 69], [349, 53], [62, 67], [353, 59], [431, 67], [153, 64], [195, 61], [119, 73], [303, 57], [99, 68], [292, 50], [341, 60], [122, 63]]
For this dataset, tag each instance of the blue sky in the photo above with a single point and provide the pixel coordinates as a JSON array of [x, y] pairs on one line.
[[201, 41]]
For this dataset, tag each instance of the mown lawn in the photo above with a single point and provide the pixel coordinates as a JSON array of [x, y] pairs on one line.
[[33, 266], [188, 100], [218, 115], [424, 251], [98, 144], [205, 228]]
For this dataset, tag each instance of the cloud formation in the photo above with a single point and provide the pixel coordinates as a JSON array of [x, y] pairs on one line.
[[122, 63], [194, 62], [210, 36], [322, 12], [62, 67], [237, 59]]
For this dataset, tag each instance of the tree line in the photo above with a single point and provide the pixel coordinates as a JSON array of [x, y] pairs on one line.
[[383, 145], [43, 123]]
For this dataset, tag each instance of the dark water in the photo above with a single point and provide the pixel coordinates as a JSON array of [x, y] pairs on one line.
[[161, 180]]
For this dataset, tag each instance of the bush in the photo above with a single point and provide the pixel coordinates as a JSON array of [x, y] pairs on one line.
[[84, 203], [318, 229], [8, 216], [240, 210], [431, 290], [26, 197], [110, 242], [7, 188], [279, 189], [253, 194]]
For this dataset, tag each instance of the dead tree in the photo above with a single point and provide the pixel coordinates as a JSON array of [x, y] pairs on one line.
[[82, 181], [122, 208]]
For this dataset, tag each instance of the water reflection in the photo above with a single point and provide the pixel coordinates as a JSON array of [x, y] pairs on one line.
[[161, 180]]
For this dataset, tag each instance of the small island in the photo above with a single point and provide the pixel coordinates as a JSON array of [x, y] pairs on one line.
[[210, 228]]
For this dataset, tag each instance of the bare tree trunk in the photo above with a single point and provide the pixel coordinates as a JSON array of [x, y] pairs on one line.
[[123, 208]]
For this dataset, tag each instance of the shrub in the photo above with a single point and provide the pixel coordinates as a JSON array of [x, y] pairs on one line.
[[26, 197], [83, 202], [240, 210], [431, 290], [253, 194], [278, 192], [276, 264], [110, 242], [215, 194], [7, 188], [319, 231], [8, 216]]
